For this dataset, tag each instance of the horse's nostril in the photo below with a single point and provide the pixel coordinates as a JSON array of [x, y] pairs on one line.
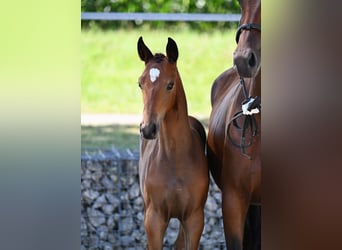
[[149, 131], [252, 60], [153, 129]]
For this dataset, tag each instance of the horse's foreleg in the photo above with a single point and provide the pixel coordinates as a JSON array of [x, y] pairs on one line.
[[234, 209], [155, 227], [180, 241], [193, 227], [252, 232]]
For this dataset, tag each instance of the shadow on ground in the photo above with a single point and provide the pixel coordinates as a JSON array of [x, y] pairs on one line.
[[119, 136]]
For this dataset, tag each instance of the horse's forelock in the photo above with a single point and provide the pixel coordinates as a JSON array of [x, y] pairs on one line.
[[158, 57]]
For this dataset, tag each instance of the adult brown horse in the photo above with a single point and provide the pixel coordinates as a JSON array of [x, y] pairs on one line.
[[234, 130], [173, 169]]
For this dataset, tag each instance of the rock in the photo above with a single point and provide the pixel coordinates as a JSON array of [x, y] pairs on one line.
[[140, 218], [217, 196], [126, 241], [107, 183], [96, 175], [113, 238], [206, 229], [91, 165], [94, 242], [134, 191], [86, 184], [100, 201], [211, 204], [174, 224], [90, 195], [102, 232], [110, 222], [212, 221], [108, 208], [96, 217], [138, 203], [172, 236], [113, 200], [127, 225], [84, 227], [107, 246], [114, 178]]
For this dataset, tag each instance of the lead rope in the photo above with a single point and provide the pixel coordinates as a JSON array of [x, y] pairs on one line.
[[250, 106]]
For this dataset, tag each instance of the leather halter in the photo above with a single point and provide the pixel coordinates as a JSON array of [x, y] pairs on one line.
[[246, 26], [249, 122]]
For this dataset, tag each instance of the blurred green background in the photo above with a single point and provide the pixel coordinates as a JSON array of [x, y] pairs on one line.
[[160, 6], [110, 66]]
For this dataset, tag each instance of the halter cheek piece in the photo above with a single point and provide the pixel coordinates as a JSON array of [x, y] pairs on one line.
[[249, 104], [249, 121], [246, 26]]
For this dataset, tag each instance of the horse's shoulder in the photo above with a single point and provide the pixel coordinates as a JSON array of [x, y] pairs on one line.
[[222, 83]]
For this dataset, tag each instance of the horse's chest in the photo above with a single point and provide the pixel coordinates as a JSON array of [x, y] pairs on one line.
[[162, 172], [165, 168]]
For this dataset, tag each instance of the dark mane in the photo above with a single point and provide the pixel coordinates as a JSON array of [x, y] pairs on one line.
[[158, 57]]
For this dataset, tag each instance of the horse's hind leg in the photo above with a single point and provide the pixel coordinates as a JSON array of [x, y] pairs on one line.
[[155, 227]]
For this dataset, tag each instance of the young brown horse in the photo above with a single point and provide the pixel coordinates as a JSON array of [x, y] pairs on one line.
[[173, 170], [234, 130]]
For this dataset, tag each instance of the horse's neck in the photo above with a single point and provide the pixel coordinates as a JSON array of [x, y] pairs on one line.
[[175, 127]]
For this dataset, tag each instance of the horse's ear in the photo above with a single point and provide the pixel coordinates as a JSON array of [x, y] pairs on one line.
[[145, 53], [171, 50]]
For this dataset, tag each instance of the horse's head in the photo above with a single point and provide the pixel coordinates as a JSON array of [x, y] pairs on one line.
[[158, 83], [247, 56]]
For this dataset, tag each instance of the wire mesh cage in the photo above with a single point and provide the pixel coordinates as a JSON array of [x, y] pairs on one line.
[[112, 206]]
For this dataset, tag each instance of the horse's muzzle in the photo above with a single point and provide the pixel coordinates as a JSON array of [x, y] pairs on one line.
[[149, 131], [246, 62]]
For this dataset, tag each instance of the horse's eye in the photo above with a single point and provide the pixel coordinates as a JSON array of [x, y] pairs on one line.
[[170, 85], [139, 84]]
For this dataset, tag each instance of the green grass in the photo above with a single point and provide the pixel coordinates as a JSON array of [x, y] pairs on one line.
[[111, 67]]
